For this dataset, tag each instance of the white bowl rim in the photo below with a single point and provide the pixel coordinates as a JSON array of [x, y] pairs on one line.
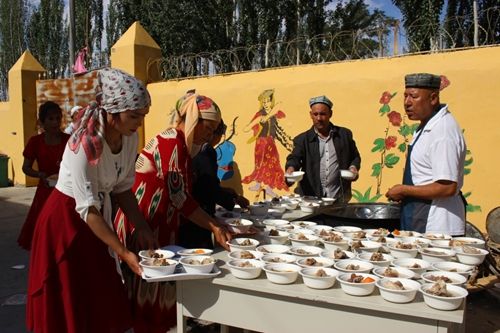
[[170, 261], [257, 254], [292, 258], [258, 264], [182, 259], [167, 253], [444, 273], [406, 271], [414, 283], [327, 270], [461, 290], [341, 277]]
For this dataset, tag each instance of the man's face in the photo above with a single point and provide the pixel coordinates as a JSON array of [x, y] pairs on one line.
[[420, 103], [320, 115]]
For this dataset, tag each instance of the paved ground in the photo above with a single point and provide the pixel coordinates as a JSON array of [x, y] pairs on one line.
[[483, 303]]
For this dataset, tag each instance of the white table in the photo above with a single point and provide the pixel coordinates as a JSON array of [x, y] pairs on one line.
[[262, 306]]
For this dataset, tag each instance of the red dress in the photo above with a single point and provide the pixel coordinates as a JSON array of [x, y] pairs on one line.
[[163, 190], [48, 158]]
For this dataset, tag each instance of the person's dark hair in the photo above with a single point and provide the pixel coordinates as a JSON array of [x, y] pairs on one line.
[[221, 129], [45, 108]]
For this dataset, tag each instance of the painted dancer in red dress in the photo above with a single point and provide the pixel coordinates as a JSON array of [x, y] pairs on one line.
[[268, 173], [47, 150], [163, 189], [74, 282]]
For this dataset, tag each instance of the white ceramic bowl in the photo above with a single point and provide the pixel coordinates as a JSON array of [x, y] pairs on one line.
[[320, 228], [274, 223], [436, 254], [421, 242], [150, 254], [363, 266], [368, 246], [343, 244], [444, 303], [298, 230], [441, 243], [303, 224], [314, 281], [305, 251], [398, 272], [357, 289], [275, 213], [471, 241], [405, 233], [398, 296], [417, 266], [300, 239], [194, 268], [455, 267], [295, 176], [280, 238], [152, 270], [470, 258], [246, 269], [281, 208], [273, 248], [291, 204], [347, 174], [387, 258], [309, 207], [314, 262], [454, 278], [328, 201], [330, 254], [402, 253], [282, 273], [195, 252], [348, 231], [436, 235], [238, 225], [238, 244], [376, 232], [279, 258], [238, 254], [258, 209]]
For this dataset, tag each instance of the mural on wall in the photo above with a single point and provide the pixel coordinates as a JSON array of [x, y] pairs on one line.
[[392, 147], [268, 173], [225, 155]]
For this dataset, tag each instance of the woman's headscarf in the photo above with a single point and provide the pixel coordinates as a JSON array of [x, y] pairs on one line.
[[116, 92], [191, 107]]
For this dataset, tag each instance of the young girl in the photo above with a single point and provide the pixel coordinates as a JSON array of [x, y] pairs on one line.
[[47, 150]]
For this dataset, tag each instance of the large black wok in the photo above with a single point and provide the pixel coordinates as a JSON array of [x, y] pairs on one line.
[[363, 215]]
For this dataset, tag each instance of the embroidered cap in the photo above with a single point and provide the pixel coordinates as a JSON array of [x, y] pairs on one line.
[[321, 99], [422, 80]]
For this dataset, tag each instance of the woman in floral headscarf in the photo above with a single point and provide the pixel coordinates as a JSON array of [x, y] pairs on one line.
[[75, 281], [163, 189]]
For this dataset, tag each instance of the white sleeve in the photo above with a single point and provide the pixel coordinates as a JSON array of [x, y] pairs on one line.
[[129, 157], [84, 183]]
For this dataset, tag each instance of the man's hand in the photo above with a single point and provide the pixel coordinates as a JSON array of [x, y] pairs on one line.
[[241, 201], [396, 193], [289, 170], [355, 171]]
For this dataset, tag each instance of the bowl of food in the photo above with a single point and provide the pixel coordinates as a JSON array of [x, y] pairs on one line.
[[364, 246], [274, 223], [328, 201], [314, 262], [259, 209], [347, 174], [303, 224], [319, 277], [353, 266], [309, 207], [156, 254], [238, 225], [195, 252], [377, 259], [198, 264], [405, 233], [442, 296], [295, 176], [319, 229], [244, 254], [242, 244], [291, 204], [398, 290], [300, 239], [275, 213], [337, 254], [403, 250], [441, 243], [447, 277], [277, 236], [470, 241], [333, 240], [376, 232], [245, 269], [393, 272], [272, 258], [281, 273], [273, 248], [158, 267], [455, 267], [436, 236], [417, 266], [346, 230], [359, 235], [436, 254], [305, 251], [470, 255], [357, 284]]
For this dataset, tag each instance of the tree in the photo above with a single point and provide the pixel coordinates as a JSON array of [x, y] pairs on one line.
[[88, 29]]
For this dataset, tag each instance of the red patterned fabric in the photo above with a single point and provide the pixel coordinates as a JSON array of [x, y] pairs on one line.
[[48, 158], [163, 190], [73, 284]]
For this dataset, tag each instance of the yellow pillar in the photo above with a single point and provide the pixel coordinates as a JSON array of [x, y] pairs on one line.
[[135, 53], [19, 123]]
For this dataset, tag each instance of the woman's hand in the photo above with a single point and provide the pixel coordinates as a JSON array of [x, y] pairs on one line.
[[222, 235], [132, 261]]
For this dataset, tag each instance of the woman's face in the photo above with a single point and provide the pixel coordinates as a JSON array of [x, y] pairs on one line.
[[204, 130], [267, 104], [52, 122], [127, 122]]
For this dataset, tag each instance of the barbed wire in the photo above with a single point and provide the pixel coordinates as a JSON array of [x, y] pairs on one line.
[[387, 40]]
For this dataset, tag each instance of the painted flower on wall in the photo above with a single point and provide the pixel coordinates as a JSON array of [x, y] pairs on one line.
[[390, 142], [395, 118], [385, 98], [444, 82]]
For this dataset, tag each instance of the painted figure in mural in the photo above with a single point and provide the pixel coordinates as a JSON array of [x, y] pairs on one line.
[[321, 152], [47, 150], [208, 192], [433, 176], [73, 113], [267, 174], [163, 189], [225, 156], [74, 282]]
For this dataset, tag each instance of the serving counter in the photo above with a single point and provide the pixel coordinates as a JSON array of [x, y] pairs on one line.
[[262, 306]]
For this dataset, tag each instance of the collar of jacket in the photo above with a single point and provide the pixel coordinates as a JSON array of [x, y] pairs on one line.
[[312, 136]]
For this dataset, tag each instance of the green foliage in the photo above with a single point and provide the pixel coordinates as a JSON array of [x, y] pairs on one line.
[[471, 208], [390, 160], [365, 197], [376, 169], [402, 147], [384, 109], [378, 145]]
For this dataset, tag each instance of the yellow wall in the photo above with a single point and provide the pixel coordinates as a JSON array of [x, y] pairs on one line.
[[355, 88]]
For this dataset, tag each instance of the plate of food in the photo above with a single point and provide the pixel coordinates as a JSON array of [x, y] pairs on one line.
[[194, 252]]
